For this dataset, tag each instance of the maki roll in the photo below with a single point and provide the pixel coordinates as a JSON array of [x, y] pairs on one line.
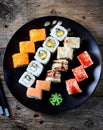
[[35, 68], [73, 42], [20, 59], [34, 93], [27, 46], [42, 55], [27, 79], [59, 32], [72, 86], [44, 85], [79, 73], [63, 52], [51, 44], [60, 65], [85, 59], [53, 76], [37, 34]]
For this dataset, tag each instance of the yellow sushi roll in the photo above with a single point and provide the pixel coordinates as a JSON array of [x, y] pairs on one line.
[[20, 59], [27, 46], [37, 35]]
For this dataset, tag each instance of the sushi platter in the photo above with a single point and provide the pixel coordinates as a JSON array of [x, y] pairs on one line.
[[52, 64]]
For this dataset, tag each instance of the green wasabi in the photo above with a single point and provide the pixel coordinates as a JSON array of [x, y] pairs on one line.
[[56, 99]]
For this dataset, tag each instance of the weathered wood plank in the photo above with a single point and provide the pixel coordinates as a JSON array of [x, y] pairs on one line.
[[84, 13], [87, 116], [15, 13]]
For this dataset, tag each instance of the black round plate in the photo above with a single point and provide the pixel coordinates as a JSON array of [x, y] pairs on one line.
[[12, 75]]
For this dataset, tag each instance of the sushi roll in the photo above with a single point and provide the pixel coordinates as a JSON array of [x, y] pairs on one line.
[[79, 73], [72, 86], [51, 44], [85, 59], [63, 52], [20, 59], [27, 47], [59, 32], [53, 76], [27, 79], [34, 93], [37, 34], [35, 68], [60, 65], [44, 85], [42, 55], [73, 42]]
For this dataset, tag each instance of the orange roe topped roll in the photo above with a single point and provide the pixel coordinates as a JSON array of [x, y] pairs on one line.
[[20, 59], [37, 35], [27, 46]]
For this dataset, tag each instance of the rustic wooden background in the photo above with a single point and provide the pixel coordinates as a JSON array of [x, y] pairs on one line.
[[89, 13]]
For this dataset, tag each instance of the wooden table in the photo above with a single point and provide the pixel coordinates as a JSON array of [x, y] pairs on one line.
[[15, 13]]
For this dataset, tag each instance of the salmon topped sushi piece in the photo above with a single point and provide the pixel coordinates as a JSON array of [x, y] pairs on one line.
[[27, 46], [44, 85], [20, 59], [85, 59], [37, 34], [34, 93]]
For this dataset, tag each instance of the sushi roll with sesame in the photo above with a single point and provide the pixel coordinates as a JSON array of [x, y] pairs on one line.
[[34, 93], [35, 68], [42, 55], [73, 42], [53, 76], [63, 52], [27, 79], [60, 65], [51, 44], [59, 32]]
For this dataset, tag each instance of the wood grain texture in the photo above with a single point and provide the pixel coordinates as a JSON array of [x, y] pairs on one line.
[[14, 14]]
